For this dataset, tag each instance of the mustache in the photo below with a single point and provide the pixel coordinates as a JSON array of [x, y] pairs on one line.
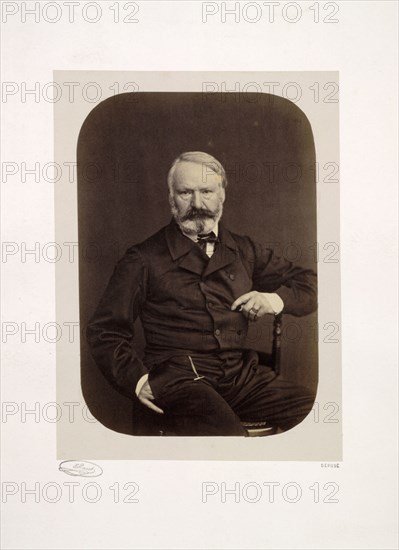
[[198, 214]]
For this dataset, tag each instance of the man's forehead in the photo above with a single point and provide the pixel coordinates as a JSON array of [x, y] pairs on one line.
[[194, 172]]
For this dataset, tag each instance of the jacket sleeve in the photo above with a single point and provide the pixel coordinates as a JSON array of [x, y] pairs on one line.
[[110, 331], [296, 286]]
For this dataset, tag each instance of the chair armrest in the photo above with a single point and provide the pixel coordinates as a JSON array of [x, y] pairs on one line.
[[276, 347]]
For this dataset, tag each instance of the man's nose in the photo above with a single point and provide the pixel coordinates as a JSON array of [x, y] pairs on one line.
[[196, 199]]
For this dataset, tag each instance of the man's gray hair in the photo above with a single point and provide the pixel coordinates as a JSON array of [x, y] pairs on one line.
[[209, 163]]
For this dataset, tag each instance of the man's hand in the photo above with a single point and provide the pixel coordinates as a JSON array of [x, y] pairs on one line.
[[146, 397], [256, 304]]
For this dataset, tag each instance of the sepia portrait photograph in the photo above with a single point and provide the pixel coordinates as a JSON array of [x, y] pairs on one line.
[[199, 252], [235, 173]]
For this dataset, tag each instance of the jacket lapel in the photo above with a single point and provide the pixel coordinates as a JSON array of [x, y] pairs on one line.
[[194, 261], [226, 252], [190, 257], [184, 251]]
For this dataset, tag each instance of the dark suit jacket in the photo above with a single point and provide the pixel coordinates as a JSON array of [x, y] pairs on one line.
[[184, 299]]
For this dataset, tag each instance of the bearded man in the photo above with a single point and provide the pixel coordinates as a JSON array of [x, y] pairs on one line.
[[196, 286]]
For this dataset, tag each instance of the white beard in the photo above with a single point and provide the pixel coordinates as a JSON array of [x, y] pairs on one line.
[[198, 226]]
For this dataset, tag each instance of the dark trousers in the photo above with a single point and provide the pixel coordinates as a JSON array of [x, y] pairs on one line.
[[212, 394]]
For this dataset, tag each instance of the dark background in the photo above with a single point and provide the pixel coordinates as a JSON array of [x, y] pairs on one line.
[[125, 149]]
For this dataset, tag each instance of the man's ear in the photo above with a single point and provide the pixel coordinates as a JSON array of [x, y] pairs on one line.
[[222, 193]]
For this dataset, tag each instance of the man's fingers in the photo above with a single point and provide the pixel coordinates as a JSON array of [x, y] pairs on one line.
[[250, 304], [246, 308], [252, 309], [151, 405], [146, 397], [241, 300], [146, 391]]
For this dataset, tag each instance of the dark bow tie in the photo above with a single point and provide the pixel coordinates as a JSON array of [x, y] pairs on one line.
[[208, 238], [202, 241]]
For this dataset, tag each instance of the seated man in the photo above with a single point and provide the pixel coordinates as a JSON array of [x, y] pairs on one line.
[[195, 286]]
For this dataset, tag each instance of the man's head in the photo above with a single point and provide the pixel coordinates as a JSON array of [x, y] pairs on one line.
[[197, 183]]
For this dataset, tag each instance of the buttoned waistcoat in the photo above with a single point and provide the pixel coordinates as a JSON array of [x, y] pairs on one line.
[[184, 300]]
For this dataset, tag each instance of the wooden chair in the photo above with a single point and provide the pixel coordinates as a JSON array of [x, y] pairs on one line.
[[149, 423], [261, 429]]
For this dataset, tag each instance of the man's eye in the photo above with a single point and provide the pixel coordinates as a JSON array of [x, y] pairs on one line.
[[207, 192]]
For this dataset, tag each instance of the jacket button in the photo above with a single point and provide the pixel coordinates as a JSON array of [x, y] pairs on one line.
[[217, 332], [210, 304], [232, 276]]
